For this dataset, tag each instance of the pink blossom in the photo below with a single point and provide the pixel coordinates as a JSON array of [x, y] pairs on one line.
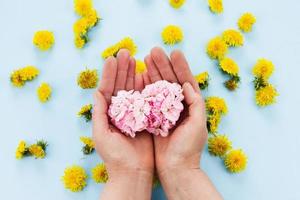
[[156, 109]]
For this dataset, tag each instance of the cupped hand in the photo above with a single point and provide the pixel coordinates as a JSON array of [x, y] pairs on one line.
[[182, 148], [121, 154]]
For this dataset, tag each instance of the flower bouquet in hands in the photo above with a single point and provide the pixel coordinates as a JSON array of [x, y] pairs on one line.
[[156, 109]]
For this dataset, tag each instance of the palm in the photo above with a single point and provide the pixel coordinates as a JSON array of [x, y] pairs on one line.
[[115, 148], [176, 70]]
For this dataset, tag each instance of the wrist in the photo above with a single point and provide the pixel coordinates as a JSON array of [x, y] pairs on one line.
[[128, 184], [140, 176], [178, 164], [177, 173]]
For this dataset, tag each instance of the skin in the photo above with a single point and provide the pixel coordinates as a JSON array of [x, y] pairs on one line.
[[131, 162]]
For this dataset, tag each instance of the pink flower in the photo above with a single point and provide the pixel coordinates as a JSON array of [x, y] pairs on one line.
[[156, 109]]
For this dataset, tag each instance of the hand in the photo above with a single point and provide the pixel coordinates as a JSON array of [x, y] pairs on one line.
[[124, 157], [181, 150], [177, 157]]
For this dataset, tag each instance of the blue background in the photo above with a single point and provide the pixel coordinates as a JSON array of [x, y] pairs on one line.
[[270, 136]]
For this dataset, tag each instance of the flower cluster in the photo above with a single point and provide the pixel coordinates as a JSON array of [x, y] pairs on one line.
[[156, 109], [43, 40], [88, 79], [235, 160], [44, 92], [20, 76], [89, 145], [216, 6], [216, 107], [89, 19], [74, 178], [86, 112], [233, 38], [126, 43], [176, 3], [265, 92], [99, 173], [217, 48], [172, 34], [202, 80], [38, 150], [230, 67], [220, 145], [246, 22], [140, 66]]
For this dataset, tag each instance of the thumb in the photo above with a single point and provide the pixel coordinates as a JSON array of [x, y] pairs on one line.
[[194, 101], [100, 119]]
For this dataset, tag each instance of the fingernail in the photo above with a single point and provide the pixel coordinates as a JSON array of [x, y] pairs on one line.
[[188, 89]]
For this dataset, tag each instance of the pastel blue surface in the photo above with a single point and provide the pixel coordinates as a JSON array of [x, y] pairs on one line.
[[270, 136]]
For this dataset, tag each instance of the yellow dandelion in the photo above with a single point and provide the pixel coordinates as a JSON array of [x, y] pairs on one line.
[[28, 73], [86, 112], [172, 35], [20, 76], [44, 92], [235, 161], [87, 141], [83, 7], [43, 40], [266, 95], [74, 178], [232, 83], [246, 22], [16, 79], [140, 67], [21, 150], [216, 48], [216, 105], [37, 151], [263, 68], [202, 80], [219, 145], [216, 6], [92, 18], [99, 173], [81, 27], [229, 66], [110, 51], [88, 79], [89, 145], [176, 3], [79, 41], [233, 38], [126, 43], [213, 121]]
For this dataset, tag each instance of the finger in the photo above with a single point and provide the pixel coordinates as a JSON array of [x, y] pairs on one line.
[[109, 74], [138, 83], [123, 58], [195, 102], [163, 64], [146, 78], [152, 70], [100, 119], [182, 70], [130, 75]]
